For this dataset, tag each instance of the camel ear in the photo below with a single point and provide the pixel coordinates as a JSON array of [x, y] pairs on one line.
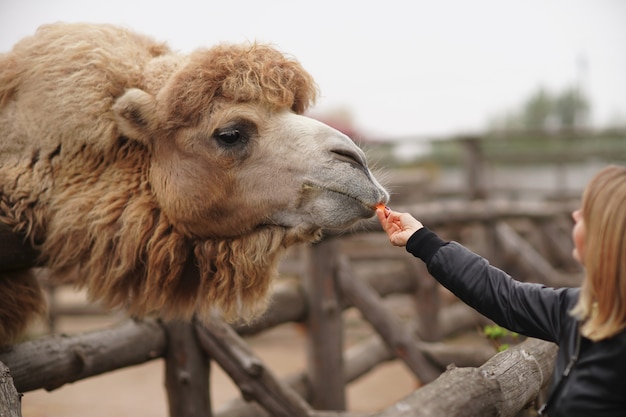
[[135, 113]]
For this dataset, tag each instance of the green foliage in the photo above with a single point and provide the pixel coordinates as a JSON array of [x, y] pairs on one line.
[[538, 109], [494, 332], [526, 148], [571, 106], [545, 110], [499, 336]]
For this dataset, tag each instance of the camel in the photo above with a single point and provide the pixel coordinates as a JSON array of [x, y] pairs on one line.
[[164, 183]]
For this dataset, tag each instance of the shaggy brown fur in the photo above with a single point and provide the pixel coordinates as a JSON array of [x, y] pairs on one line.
[[85, 195]]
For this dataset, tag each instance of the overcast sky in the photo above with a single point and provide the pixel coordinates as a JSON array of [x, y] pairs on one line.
[[402, 68]]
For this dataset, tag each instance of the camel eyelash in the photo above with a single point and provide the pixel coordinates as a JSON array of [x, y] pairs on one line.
[[230, 137], [235, 133]]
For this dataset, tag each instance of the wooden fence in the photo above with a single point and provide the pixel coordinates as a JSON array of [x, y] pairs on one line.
[[474, 382]]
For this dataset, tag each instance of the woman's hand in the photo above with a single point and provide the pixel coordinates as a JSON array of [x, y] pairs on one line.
[[398, 226]]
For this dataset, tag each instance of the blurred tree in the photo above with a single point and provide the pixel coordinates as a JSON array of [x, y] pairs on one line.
[[538, 110], [572, 108], [544, 110]]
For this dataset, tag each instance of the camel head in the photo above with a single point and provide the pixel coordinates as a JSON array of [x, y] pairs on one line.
[[167, 183], [232, 153]]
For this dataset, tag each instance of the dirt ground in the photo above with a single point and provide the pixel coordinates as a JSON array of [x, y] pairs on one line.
[[139, 390]]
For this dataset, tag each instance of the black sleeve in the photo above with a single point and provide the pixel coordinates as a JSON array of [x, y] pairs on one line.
[[527, 308], [423, 244]]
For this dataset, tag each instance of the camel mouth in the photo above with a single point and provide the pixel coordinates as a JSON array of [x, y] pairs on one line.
[[343, 194], [323, 207], [370, 209], [343, 209]]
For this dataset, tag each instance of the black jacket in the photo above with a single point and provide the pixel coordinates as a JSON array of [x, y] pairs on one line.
[[596, 385]]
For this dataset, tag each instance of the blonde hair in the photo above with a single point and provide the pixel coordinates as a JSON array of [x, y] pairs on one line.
[[602, 302]]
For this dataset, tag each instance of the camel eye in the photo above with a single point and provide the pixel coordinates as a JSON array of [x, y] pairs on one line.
[[234, 134], [229, 137]]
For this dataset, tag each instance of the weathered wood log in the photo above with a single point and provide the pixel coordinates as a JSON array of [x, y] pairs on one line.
[[358, 361], [239, 407], [10, 401], [186, 372], [255, 381], [362, 358], [501, 387], [54, 361], [398, 336], [537, 265], [324, 329], [511, 242], [368, 354], [557, 237]]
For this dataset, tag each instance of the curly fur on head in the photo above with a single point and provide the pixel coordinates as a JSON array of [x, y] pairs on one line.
[[239, 73]]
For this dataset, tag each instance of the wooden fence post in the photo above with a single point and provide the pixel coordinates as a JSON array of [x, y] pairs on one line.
[[10, 401], [254, 379], [325, 328], [396, 334], [474, 163], [427, 302], [187, 370]]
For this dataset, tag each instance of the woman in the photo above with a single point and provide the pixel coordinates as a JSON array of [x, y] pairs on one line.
[[588, 323]]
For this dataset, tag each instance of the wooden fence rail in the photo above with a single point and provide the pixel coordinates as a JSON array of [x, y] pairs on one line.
[[330, 285], [496, 383]]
